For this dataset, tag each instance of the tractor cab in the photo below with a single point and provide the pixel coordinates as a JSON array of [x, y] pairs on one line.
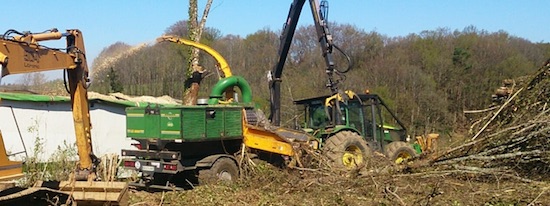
[[365, 114]]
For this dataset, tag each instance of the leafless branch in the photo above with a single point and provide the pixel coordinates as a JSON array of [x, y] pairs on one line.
[[496, 114]]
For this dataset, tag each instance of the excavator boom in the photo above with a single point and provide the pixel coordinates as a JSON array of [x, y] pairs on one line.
[[26, 58], [22, 53]]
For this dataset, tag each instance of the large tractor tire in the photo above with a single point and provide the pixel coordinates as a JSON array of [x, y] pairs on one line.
[[347, 149], [399, 152], [224, 169]]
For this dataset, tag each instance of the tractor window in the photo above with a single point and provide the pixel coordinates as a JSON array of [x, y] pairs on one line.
[[389, 120], [380, 123], [392, 128], [317, 116], [373, 120], [356, 117]]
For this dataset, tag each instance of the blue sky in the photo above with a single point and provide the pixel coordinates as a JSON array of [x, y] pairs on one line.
[[104, 22]]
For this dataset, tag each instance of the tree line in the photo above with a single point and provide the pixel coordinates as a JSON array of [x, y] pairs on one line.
[[428, 79]]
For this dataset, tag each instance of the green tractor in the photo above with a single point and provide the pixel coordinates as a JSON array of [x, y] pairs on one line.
[[351, 130], [347, 126]]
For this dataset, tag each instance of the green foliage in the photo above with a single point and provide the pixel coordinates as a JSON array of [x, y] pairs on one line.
[[56, 168], [114, 81], [461, 57]]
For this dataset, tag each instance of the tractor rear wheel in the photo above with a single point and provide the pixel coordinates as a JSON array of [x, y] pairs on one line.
[[399, 152], [347, 149], [224, 169]]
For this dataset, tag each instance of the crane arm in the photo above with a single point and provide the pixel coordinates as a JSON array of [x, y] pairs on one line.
[[274, 77], [222, 63], [325, 40], [22, 54]]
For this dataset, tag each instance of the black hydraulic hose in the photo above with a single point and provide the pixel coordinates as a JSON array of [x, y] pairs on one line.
[[65, 72], [348, 58], [10, 31]]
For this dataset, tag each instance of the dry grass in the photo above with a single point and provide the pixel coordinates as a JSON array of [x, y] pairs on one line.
[[274, 186], [377, 183]]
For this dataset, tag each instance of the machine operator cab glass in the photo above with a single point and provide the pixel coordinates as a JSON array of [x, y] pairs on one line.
[[318, 117]]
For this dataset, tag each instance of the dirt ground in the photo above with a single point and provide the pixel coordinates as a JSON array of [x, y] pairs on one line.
[[368, 190], [377, 184]]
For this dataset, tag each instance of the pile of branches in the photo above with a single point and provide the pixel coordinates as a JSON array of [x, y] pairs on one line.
[[514, 139]]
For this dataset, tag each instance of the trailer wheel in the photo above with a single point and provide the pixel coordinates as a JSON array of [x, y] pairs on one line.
[[347, 149], [399, 152], [224, 169]]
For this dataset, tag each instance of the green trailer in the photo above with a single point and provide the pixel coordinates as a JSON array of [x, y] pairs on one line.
[[183, 144], [185, 123]]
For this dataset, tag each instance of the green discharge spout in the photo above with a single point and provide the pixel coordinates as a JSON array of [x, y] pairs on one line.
[[223, 84]]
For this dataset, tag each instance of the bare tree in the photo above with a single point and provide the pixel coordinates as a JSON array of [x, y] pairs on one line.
[[195, 73], [33, 80]]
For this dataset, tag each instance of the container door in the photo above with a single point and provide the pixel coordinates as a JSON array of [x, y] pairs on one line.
[[142, 123], [170, 123], [193, 124], [214, 123]]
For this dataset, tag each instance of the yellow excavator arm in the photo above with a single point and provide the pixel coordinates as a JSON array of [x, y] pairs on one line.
[[22, 54]]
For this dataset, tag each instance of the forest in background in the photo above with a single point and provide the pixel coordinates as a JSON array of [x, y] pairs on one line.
[[428, 79]]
